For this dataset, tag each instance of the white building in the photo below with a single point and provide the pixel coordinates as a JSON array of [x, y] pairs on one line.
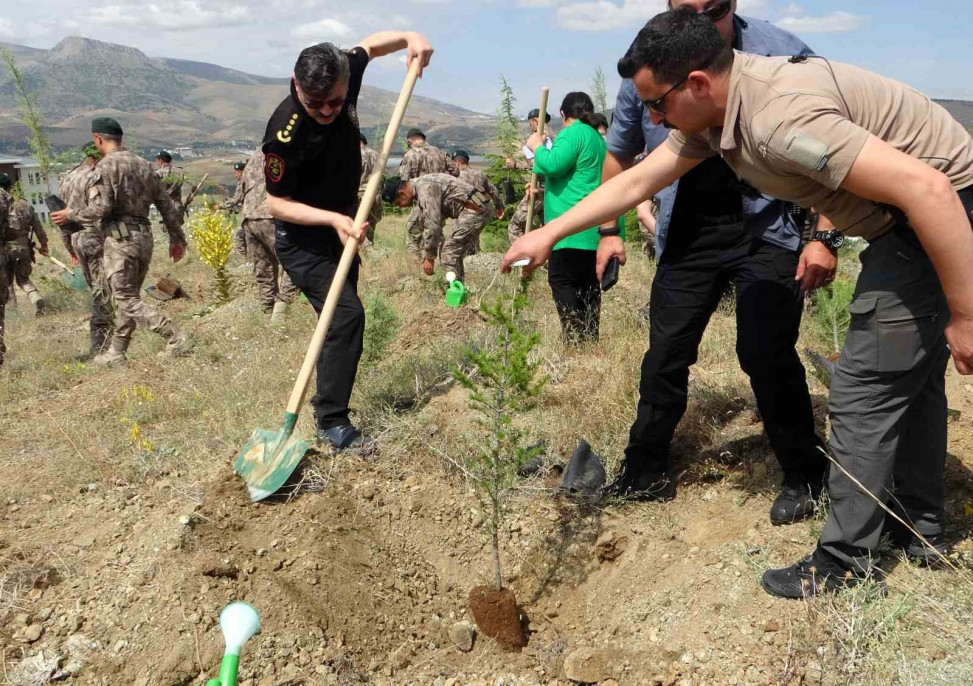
[[32, 182]]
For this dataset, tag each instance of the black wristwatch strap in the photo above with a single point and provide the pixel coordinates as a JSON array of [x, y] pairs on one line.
[[609, 231]]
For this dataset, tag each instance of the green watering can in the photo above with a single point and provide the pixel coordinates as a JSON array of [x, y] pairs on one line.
[[456, 294], [238, 622]]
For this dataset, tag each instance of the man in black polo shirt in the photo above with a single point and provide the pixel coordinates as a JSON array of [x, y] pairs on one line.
[[312, 165]]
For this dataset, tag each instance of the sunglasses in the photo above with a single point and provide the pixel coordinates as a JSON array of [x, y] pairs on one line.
[[312, 104], [717, 12], [658, 105]]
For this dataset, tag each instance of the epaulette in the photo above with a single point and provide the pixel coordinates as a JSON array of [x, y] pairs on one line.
[[285, 123]]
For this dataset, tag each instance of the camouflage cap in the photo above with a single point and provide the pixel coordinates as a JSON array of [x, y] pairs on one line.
[[390, 188], [238, 166], [462, 154], [415, 133], [164, 156], [89, 150], [536, 113], [5, 180], [106, 125]]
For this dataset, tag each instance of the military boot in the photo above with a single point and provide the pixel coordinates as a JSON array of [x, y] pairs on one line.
[[115, 353], [99, 339], [178, 342], [277, 316], [37, 301]]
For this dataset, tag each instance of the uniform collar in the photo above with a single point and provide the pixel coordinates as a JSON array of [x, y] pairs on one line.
[[733, 100]]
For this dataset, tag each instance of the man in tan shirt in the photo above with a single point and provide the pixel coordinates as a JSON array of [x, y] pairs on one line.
[[881, 161]]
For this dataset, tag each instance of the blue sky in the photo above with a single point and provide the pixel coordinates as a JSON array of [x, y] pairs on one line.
[[557, 43]]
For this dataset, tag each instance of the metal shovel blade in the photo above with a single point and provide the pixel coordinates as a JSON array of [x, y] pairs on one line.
[[268, 460], [74, 280]]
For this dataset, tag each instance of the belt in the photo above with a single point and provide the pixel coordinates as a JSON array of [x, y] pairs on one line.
[[121, 228]]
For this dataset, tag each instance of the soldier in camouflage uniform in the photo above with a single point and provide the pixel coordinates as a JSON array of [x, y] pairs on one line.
[[24, 226], [421, 159], [235, 204], [5, 203], [438, 197], [172, 179], [274, 287], [87, 249], [518, 222], [119, 197], [480, 182], [369, 158]]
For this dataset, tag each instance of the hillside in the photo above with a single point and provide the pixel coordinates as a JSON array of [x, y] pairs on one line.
[[164, 102]]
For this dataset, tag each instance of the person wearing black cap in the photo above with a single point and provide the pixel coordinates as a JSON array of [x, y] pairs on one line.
[[24, 226], [172, 179], [5, 202], [421, 159], [87, 247], [312, 169], [482, 183], [119, 199], [369, 160], [235, 204], [518, 222]]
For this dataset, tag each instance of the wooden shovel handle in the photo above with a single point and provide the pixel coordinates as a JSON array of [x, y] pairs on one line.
[[60, 264], [541, 120], [351, 247]]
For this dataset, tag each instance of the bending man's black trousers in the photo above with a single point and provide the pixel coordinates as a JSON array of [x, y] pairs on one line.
[[311, 268], [698, 265]]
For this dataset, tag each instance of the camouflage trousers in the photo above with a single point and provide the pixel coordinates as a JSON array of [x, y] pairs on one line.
[[375, 215], [413, 233], [466, 232], [4, 294], [89, 247], [648, 241], [273, 284], [126, 266], [20, 268], [518, 222], [240, 241]]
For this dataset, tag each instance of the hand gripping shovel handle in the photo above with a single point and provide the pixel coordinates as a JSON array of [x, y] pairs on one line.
[[351, 246], [541, 120]]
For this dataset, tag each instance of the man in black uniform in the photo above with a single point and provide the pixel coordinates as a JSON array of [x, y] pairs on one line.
[[312, 165]]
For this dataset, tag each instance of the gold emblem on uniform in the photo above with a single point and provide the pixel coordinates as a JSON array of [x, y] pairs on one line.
[[284, 135], [274, 167]]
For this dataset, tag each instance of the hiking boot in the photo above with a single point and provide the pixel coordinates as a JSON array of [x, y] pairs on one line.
[[178, 342], [277, 314], [37, 301], [347, 437], [641, 486], [816, 573], [110, 356], [796, 501]]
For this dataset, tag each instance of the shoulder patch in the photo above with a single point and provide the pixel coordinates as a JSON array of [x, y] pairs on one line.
[[274, 167], [805, 151]]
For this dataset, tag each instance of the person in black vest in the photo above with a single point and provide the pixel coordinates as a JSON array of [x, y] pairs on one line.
[[313, 165]]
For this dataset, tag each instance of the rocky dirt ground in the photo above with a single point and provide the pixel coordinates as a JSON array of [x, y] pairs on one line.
[[123, 530]]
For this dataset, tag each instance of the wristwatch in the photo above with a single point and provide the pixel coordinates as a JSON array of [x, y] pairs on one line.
[[609, 231], [832, 239]]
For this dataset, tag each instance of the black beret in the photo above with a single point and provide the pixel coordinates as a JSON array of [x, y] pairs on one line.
[[4, 180], [462, 153], [391, 188], [106, 125], [415, 133], [238, 166], [164, 156], [362, 138], [536, 113]]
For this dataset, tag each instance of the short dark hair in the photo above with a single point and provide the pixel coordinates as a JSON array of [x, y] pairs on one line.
[[111, 138], [601, 121], [578, 105], [320, 67], [675, 43]]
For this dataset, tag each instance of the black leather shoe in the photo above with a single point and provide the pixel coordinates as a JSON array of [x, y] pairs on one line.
[[641, 486], [346, 437], [918, 552], [795, 502], [813, 575]]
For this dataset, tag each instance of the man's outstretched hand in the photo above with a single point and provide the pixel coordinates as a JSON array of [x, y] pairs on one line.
[[533, 245]]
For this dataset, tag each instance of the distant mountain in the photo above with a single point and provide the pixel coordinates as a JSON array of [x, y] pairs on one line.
[[168, 102]]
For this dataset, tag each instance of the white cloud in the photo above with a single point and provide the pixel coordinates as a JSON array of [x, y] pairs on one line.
[[6, 28], [836, 22], [324, 30], [538, 3], [179, 16], [604, 15]]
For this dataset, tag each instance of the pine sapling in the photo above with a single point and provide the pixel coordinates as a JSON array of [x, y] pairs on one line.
[[505, 383]]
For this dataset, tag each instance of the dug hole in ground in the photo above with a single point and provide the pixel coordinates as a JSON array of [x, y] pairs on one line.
[[123, 530]]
